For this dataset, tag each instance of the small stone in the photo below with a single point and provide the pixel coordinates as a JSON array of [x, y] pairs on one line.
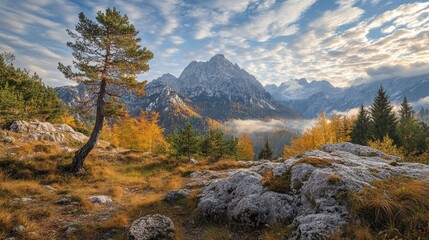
[[100, 199], [173, 196], [70, 230], [63, 201], [193, 161], [152, 227], [19, 228], [27, 200]]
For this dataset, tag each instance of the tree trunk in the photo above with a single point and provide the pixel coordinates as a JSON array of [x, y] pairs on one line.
[[82, 153]]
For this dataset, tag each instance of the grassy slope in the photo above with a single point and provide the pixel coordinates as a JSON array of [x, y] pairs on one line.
[[137, 183]]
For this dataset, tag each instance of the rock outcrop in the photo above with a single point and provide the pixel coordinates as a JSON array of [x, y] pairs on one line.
[[36, 130], [312, 195], [152, 227]]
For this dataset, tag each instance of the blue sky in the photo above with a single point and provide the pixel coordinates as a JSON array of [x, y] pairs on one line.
[[343, 41]]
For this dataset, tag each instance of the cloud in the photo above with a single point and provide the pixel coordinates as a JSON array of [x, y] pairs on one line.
[[255, 126], [271, 23]]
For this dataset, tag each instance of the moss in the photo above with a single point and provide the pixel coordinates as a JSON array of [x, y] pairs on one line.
[[394, 163]]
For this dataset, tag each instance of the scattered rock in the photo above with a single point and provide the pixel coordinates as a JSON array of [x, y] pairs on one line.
[[63, 201], [193, 161], [175, 195], [27, 200], [100, 199], [152, 227], [5, 137], [19, 228], [309, 201], [68, 149], [49, 188], [70, 230]]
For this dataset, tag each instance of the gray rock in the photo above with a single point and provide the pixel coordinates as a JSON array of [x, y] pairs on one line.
[[36, 130], [311, 203], [100, 199], [27, 200], [19, 228], [193, 161], [175, 195], [63, 201], [152, 227]]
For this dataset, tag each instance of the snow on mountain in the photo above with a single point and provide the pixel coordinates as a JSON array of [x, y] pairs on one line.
[[310, 99]]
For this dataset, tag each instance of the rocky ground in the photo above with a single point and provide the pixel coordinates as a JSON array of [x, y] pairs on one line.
[[124, 194]]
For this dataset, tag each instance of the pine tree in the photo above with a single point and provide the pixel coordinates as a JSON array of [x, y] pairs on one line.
[[216, 144], [185, 141], [24, 96], [406, 111], [411, 134], [108, 58], [361, 128], [266, 151], [383, 118]]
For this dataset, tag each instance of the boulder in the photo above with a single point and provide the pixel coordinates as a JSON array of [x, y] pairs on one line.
[[175, 195], [310, 199], [100, 199], [152, 227], [36, 130]]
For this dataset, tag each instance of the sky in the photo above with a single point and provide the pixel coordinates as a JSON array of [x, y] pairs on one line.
[[346, 42]]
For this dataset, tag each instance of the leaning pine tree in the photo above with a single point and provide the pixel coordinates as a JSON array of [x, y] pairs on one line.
[[108, 58]]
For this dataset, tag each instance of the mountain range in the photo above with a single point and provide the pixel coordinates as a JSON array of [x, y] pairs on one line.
[[204, 94], [311, 98], [208, 93]]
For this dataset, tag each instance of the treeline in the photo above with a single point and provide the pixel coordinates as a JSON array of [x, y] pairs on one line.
[[187, 142], [23, 96], [379, 126]]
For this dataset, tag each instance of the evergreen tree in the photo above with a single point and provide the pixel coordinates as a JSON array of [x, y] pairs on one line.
[[406, 111], [383, 118], [185, 141], [266, 151], [24, 96], [215, 144], [412, 137], [361, 127], [108, 58]]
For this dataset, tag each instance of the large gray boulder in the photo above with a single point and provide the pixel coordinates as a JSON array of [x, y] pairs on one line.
[[36, 130], [152, 227], [316, 181]]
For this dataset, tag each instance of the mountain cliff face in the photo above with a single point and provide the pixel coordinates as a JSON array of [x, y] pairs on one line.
[[205, 92], [310, 99]]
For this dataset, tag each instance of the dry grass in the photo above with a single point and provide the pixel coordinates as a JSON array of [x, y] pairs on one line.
[[279, 184], [317, 162], [136, 181], [394, 208], [333, 178]]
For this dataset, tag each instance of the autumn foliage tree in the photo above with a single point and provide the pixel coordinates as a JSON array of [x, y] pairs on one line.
[[245, 148], [108, 58], [142, 133], [335, 130]]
